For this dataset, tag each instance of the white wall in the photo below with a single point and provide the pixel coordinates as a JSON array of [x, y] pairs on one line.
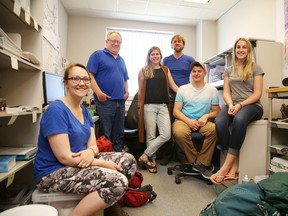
[[249, 18], [263, 19], [87, 34], [206, 39], [62, 29]]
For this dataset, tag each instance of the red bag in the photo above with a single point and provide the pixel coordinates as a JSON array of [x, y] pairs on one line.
[[136, 180], [104, 145], [138, 197]]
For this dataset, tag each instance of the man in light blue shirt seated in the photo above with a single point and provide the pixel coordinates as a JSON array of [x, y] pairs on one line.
[[196, 104]]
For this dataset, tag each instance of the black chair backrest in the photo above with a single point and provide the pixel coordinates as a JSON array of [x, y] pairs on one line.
[[131, 120]]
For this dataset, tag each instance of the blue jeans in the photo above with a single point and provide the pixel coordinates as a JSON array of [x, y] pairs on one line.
[[156, 116], [234, 140], [111, 121]]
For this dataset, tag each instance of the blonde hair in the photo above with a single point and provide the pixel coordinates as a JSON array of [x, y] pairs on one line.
[[147, 70], [247, 64], [179, 37], [113, 32]]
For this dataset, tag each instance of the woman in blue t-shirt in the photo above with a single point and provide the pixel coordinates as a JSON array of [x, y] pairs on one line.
[[68, 159]]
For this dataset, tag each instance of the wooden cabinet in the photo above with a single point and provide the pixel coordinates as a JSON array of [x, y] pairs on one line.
[[277, 128], [268, 54], [21, 82]]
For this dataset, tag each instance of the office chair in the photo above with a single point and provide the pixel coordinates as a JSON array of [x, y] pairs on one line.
[[185, 169], [131, 129]]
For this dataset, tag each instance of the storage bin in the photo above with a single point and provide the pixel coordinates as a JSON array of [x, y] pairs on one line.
[[63, 202], [31, 210]]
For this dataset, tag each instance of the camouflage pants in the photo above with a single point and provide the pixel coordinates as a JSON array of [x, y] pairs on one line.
[[110, 184]]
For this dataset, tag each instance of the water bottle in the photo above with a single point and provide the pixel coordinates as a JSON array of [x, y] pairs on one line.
[[245, 180]]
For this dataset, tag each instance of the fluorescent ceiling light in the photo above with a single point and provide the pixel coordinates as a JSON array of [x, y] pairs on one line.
[[197, 1]]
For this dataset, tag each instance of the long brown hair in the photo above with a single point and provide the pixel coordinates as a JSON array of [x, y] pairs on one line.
[[248, 63], [147, 70]]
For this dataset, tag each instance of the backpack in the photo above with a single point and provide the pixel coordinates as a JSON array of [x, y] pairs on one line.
[[104, 144], [275, 190], [240, 200], [136, 180], [136, 195]]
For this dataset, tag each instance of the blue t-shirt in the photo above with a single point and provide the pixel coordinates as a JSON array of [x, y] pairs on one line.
[[59, 119], [196, 103], [110, 73], [179, 68]]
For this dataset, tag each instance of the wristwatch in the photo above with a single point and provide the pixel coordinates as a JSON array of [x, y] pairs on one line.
[[94, 151]]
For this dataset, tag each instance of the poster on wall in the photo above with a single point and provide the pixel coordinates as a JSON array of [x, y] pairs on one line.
[[285, 68], [50, 22], [51, 58]]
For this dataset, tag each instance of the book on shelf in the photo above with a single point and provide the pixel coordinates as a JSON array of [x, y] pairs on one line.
[[21, 153], [7, 162], [26, 151], [25, 157]]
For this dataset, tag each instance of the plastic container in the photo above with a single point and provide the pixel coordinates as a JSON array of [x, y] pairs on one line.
[[31, 210], [63, 202], [245, 180]]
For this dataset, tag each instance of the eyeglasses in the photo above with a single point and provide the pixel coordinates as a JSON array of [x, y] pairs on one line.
[[115, 41], [77, 79]]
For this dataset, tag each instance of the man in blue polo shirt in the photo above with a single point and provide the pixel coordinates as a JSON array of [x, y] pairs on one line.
[[179, 63], [179, 66], [109, 78]]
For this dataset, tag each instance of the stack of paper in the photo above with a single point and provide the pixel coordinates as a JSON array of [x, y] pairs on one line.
[[21, 153], [280, 149], [8, 44], [279, 164]]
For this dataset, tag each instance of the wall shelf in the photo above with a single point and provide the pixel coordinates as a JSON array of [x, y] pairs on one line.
[[5, 62], [19, 165], [21, 84], [277, 130]]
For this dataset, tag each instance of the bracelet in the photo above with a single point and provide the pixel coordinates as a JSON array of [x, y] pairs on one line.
[[240, 105], [94, 151]]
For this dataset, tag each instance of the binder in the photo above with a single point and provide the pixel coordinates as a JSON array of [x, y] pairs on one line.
[[7, 163]]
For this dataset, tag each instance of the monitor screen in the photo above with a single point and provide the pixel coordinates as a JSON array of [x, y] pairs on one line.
[[53, 87]]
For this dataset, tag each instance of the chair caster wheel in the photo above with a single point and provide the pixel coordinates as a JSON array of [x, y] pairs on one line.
[[177, 181], [169, 171]]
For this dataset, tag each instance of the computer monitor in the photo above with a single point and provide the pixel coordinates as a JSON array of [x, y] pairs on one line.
[[53, 87]]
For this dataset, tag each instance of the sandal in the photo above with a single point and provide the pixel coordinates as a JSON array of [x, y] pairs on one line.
[[153, 170], [230, 177], [217, 179], [146, 164]]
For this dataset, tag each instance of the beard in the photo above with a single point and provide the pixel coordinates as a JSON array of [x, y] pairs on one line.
[[178, 49]]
